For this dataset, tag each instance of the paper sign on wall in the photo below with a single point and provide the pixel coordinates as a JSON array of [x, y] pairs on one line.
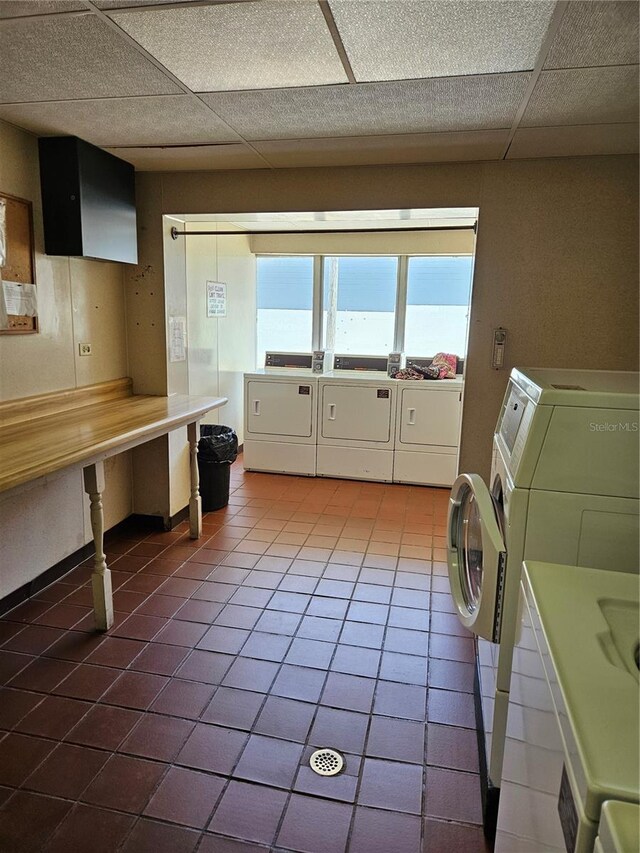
[[16, 299], [216, 299], [177, 339]]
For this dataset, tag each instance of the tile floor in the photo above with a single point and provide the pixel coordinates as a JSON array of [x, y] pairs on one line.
[[311, 613]]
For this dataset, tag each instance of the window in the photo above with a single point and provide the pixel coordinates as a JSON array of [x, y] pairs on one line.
[[284, 303], [438, 295], [371, 305], [359, 302]]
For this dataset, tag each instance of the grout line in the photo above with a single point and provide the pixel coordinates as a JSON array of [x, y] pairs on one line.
[[330, 21]]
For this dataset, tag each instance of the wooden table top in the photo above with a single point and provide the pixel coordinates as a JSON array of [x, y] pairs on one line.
[[34, 448]]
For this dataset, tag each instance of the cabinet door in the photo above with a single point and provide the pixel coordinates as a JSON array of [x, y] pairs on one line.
[[430, 417], [357, 412], [279, 408]]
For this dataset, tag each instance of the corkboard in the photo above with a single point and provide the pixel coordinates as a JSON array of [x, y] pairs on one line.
[[20, 261]]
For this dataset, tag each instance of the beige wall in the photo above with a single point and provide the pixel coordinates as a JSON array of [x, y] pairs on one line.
[[78, 301], [556, 263]]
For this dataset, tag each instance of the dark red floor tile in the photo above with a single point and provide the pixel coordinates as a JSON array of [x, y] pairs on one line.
[[82, 597], [149, 836], [185, 699], [391, 785], [249, 674], [180, 587], [289, 719], [54, 717], [350, 692], [220, 638], [452, 747], [160, 605], [116, 652], [124, 784], [194, 610], [228, 574], [451, 675], [14, 705], [12, 663], [87, 682], [9, 629], [238, 616], [342, 730], [33, 639], [90, 828], [298, 583], [452, 648], [74, 646], [129, 563], [375, 830], [407, 669], [354, 660], [206, 667], [62, 616], [161, 566], [263, 646], [250, 596], [263, 580], [159, 659], [19, 757], [313, 653], [399, 740], [157, 737], [143, 583], [297, 682], [448, 623], [406, 701], [67, 771], [342, 787], [451, 709], [186, 797], [278, 622], [139, 627], [250, 812], [135, 690], [241, 561], [29, 611], [454, 838], [319, 628], [307, 568], [147, 549], [27, 820], [452, 795], [5, 793], [104, 727], [315, 826], [406, 641], [269, 761], [234, 708], [212, 748], [181, 633]]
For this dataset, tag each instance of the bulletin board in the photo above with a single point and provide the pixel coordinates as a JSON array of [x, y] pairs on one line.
[[19, 265]]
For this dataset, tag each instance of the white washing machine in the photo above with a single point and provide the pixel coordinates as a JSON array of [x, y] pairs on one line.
[[563, 489], [428, 432], [356, 425], [280, 417], [572, 732]]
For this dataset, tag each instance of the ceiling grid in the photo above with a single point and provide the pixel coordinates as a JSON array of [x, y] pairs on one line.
[[227, 84]]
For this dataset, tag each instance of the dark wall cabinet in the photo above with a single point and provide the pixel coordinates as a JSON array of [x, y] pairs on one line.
[[88, 201]]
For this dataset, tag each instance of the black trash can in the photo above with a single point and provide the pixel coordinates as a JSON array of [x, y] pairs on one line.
[[217, 449]]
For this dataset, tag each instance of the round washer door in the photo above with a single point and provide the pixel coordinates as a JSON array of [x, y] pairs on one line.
[[476, 556]]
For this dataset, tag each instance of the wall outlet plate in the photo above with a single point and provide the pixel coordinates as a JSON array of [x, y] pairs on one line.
[[84, 349]]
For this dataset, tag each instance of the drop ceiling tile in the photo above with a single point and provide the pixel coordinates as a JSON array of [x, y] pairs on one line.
[[371, 150], [57, 58], [574, 141], [158, 120], [122, 4], [21, 8], [429, 38], [584, 96], [411, 106], [596, 33], [197, 158], [269, 44]]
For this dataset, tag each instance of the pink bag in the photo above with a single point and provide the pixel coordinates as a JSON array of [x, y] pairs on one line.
[[446, 364]]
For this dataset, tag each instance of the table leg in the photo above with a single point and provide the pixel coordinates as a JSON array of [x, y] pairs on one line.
[[101, 576], [195, 503]]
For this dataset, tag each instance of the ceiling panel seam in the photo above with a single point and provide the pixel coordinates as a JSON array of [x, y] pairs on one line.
[[138, 47], [337, 39], [554, 25]]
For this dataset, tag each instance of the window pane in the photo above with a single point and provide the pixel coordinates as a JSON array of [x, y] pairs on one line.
[[284, 301], [359, 304], [438, 290]]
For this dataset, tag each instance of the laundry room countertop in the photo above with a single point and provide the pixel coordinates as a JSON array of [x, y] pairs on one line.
[[588, 621]]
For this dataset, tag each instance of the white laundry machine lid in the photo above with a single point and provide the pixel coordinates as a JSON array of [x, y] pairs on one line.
[[476, 555]]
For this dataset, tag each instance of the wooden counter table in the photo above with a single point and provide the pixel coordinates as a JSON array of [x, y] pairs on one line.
[[42, 436]]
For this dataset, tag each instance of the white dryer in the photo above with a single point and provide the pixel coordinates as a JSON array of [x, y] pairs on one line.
[[280, 416], [572, 732], [356, 425], [428, 432], [563, 489]]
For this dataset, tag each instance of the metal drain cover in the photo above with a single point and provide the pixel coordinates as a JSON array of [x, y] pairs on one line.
[[326, 762]]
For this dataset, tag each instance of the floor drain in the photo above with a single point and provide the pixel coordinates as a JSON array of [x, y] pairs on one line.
[[326, 762]]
